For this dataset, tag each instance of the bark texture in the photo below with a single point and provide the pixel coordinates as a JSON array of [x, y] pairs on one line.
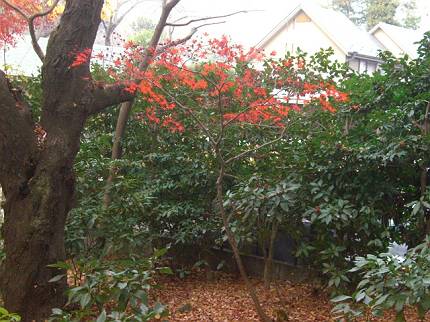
[[36, 162]]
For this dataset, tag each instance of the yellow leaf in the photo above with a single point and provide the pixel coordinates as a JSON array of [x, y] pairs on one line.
[[107, 10]]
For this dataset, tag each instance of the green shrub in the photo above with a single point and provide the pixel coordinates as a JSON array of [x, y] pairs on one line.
[[392, 280], [112, 290]]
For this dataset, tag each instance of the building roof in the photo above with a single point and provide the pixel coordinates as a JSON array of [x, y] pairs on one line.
[[405, 39], [342, 31]]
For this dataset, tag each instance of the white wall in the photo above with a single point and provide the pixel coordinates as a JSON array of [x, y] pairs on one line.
[[302, 33], [389, 44]]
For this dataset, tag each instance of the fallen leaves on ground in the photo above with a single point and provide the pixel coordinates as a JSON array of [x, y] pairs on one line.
[[225, 299]]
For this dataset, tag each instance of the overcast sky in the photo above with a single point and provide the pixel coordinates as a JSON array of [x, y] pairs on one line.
[[247, 28]]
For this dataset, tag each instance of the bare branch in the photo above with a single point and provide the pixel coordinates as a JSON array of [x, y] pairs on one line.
[[172, 24], [47, 11], [186, 38], [258, 147], [121, 17], [153, 43], [171, 4]]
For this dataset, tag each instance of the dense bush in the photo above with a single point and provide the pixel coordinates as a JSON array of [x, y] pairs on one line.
[[111, 290], [162, 193], [392, 280]]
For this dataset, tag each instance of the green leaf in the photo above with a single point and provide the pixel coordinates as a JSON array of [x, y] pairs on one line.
[[426, 280], [360, 296], [61, 265], [400, 303], [159, 308], [166, 270], [416, 208], [220, 265], [284, 206], [160, 252], [56, 278], [142, 295], [421, 311], [57, 311], [425, 302], [85, 300], [362, 283], [400, 317], [102, 317], [341, 298], [382, 299]]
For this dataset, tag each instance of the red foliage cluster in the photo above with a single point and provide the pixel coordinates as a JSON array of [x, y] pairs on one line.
[[12, 25], [81, 58], [225, 80]]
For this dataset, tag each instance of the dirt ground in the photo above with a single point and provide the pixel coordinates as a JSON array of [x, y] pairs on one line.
[[194, 298]]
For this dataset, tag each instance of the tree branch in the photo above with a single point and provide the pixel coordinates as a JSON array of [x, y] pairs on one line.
[[186, 38], [121, 17], [241, 155], [172, 24], [109, 95], [105, 94], [193, 115]]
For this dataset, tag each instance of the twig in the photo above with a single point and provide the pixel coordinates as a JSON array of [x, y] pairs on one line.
[[189, 110], [241, 155], [187, 37], [172, 24]]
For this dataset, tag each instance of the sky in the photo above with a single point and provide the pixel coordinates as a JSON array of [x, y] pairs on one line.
[[246, 28]]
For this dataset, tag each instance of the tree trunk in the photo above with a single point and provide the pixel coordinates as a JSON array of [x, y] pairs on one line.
[[423, 177], [33, 234], [121, 124], [269, 260], [36, 159], [36, 162], [126, 107], [231, 239], [108, 36]]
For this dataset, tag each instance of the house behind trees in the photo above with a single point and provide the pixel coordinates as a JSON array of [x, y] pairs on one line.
[[310, 28]]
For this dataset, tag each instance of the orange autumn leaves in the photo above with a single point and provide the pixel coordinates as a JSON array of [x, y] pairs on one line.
[[81, 58], [13, 24], [221, 80]]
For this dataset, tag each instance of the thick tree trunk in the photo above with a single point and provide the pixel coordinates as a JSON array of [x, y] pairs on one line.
[[34, 238], [36, 161]]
